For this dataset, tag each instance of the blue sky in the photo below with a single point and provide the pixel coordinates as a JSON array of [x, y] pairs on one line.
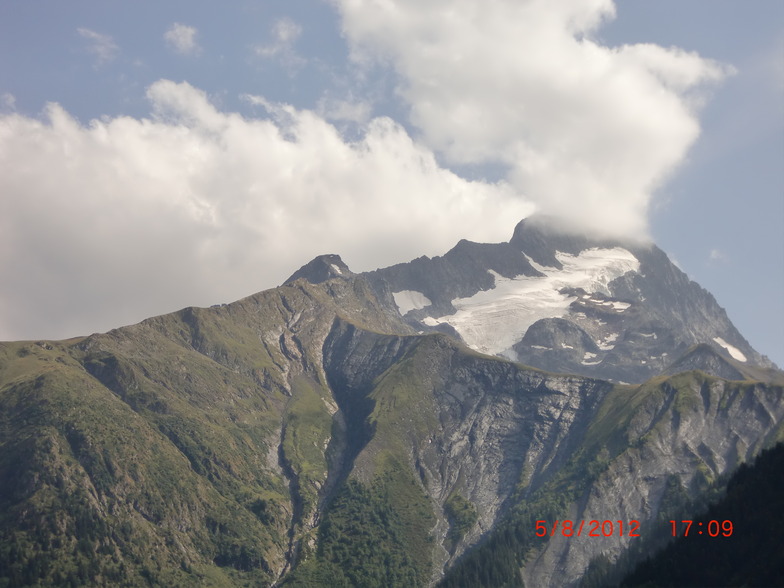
[[199, 152]]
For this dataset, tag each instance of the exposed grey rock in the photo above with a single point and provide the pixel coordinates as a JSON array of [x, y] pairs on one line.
[[321, 269], [638, 325], [461, 272], [704, 438], [555, 344], [704, 358], [500, 431]]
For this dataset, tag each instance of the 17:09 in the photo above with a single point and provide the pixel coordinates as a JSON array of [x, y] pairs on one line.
[[711, 528]]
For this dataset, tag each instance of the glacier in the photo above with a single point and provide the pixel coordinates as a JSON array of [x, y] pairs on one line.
[[493, 320]]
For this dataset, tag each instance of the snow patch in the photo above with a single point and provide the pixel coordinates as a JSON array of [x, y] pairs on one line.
[[541, 347], [565, 346], [408, 300], [429, 321], [589, 355], [608, 342], [336, 269], [493, 320], [733, 351], [620, 306]]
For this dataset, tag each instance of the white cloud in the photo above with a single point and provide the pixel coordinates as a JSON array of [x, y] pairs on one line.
[[285, 33], [586, 130], [182, 38], [101, 46], [347, 110], [111, 222]]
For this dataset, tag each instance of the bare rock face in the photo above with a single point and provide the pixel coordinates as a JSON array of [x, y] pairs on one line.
[[496, 433], [709, 428], [640, 313], [321, 269], [556, 344], [705, 358]]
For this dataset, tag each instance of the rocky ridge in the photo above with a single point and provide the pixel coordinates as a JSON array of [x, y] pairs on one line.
[[618, 311]]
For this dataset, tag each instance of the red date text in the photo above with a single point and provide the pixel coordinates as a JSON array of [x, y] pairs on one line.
[[591, 528]]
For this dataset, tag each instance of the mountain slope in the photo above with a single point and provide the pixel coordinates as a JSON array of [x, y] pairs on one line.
[[192, 431], [311, 433]]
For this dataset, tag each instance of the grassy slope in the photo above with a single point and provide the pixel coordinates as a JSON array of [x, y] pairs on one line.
[[376, 530], [151, 453], [92, 491]]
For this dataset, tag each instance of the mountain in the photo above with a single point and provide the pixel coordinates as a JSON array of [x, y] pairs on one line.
[[716, 555], [605, 309], [321, 269], [371, 429]]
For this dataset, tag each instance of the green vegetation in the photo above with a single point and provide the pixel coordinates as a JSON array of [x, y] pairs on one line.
[[90, 494], [306, 432], [497, 561], [139, 470], [462, 516], [373, 535], [152, 454], [403, 408]]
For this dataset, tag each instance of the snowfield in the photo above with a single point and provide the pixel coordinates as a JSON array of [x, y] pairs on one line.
[[408, 300], [491, 321], [733, 351]]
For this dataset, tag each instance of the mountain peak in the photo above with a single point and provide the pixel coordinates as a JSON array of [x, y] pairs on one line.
[[705, 358], [539, 236], [321, 269], [610, 308]]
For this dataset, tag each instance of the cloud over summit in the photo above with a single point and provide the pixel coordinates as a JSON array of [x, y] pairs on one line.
[[587, 131]]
